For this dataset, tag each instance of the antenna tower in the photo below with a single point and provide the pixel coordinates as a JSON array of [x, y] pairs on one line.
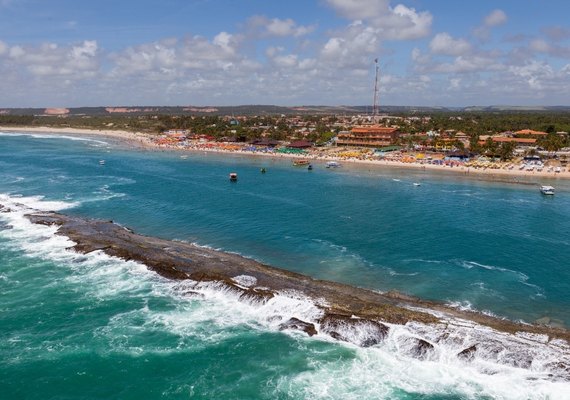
[[376, 88]]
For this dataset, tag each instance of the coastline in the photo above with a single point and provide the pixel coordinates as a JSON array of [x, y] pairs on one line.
[[145, 141]]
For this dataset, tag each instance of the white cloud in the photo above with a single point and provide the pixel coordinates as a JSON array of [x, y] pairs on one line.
[[556, 33], [157, 57], [353, 48], [278, 27], [495, 18], [397, 23], [286, 61], [534, 73], [287, 27], [3, 48], [75, 62], [444, 44], [492, 20], [540, 46]]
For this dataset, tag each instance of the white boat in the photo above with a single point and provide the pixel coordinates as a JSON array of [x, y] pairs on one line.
[[417, 184], [548, 190], [333, 164], [233, 177], [101, 162]]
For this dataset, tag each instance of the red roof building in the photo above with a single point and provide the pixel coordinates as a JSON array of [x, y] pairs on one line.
[[530, 132], [368, 136]]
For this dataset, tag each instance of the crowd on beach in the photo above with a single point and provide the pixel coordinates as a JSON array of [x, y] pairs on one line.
[[519, 166], [527, 166]]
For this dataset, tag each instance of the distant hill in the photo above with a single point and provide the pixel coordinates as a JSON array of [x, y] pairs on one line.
[[263, 109]]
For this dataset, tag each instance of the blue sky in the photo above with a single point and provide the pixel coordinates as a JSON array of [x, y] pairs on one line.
[[70, 53]]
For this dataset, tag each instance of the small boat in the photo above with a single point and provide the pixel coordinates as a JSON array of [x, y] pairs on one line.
[[300, 163], [263, 170], [233, 177], [310, 167], [417, 184], [547, 190], [333, 164], [101, 162]]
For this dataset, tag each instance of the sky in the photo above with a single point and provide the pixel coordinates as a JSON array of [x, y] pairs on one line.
[[71, 53]]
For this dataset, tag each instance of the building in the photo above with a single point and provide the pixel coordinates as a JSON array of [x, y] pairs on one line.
[[368, 136], [529, 132], [521, 142]]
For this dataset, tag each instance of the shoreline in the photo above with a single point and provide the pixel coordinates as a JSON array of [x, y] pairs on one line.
[[145, 141]]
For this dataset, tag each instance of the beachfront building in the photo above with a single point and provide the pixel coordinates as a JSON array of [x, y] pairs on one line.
[[368, 136], [519, 142], [529, 133]]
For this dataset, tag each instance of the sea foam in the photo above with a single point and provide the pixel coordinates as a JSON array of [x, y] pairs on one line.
[[502, 366]]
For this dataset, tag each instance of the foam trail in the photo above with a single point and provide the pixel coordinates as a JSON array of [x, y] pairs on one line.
[[51, 136]]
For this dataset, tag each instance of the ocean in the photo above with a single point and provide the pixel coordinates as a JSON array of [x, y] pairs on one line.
[[92, 326]]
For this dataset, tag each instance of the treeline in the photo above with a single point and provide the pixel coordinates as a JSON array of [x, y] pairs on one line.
[[488, 123]]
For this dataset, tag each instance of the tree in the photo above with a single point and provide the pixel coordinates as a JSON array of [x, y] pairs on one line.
[[506, 150], [552, 142], [490, 147]]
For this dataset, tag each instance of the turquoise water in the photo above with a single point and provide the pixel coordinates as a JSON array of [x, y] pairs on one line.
[[75, 326]]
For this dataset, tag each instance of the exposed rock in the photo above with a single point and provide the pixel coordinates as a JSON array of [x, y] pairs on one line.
[[297, 324], [559, 370], [518, 360], [362, 332], [542, 321], [191, 293], [468, 353], [256, 295], [352, 313], [422, 349]]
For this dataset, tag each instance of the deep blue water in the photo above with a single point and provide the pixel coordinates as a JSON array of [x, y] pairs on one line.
[[79, 326]]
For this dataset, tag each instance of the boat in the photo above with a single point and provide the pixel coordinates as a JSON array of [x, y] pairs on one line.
[[417, 184], [101, 162], [333, 164], [233, 177], [263, 170], [300, 163], [547, 190], [310, 167]]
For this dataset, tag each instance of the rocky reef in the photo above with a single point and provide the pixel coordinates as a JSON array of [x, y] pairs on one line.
[[351, 314]]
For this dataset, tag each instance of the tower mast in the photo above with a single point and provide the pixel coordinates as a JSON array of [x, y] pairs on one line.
[[376, 88]]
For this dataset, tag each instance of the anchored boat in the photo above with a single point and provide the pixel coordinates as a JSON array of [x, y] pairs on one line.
[[300, 163]]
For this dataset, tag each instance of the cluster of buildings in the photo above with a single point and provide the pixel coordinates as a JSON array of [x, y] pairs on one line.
[[362, 132]]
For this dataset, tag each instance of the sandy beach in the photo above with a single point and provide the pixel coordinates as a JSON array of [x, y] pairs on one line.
[[146, 141]]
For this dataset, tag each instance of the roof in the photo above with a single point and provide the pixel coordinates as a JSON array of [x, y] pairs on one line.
[[300, 144], [516, 140], [374, 128], [529, 132], [388, 148]]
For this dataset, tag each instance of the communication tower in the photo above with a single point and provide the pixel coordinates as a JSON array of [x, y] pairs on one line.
[[376, 89]]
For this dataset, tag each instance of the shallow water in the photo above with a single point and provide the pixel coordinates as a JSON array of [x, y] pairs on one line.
[[92, 326]]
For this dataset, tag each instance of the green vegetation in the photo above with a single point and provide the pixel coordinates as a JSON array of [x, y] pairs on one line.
[[282, 123]]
